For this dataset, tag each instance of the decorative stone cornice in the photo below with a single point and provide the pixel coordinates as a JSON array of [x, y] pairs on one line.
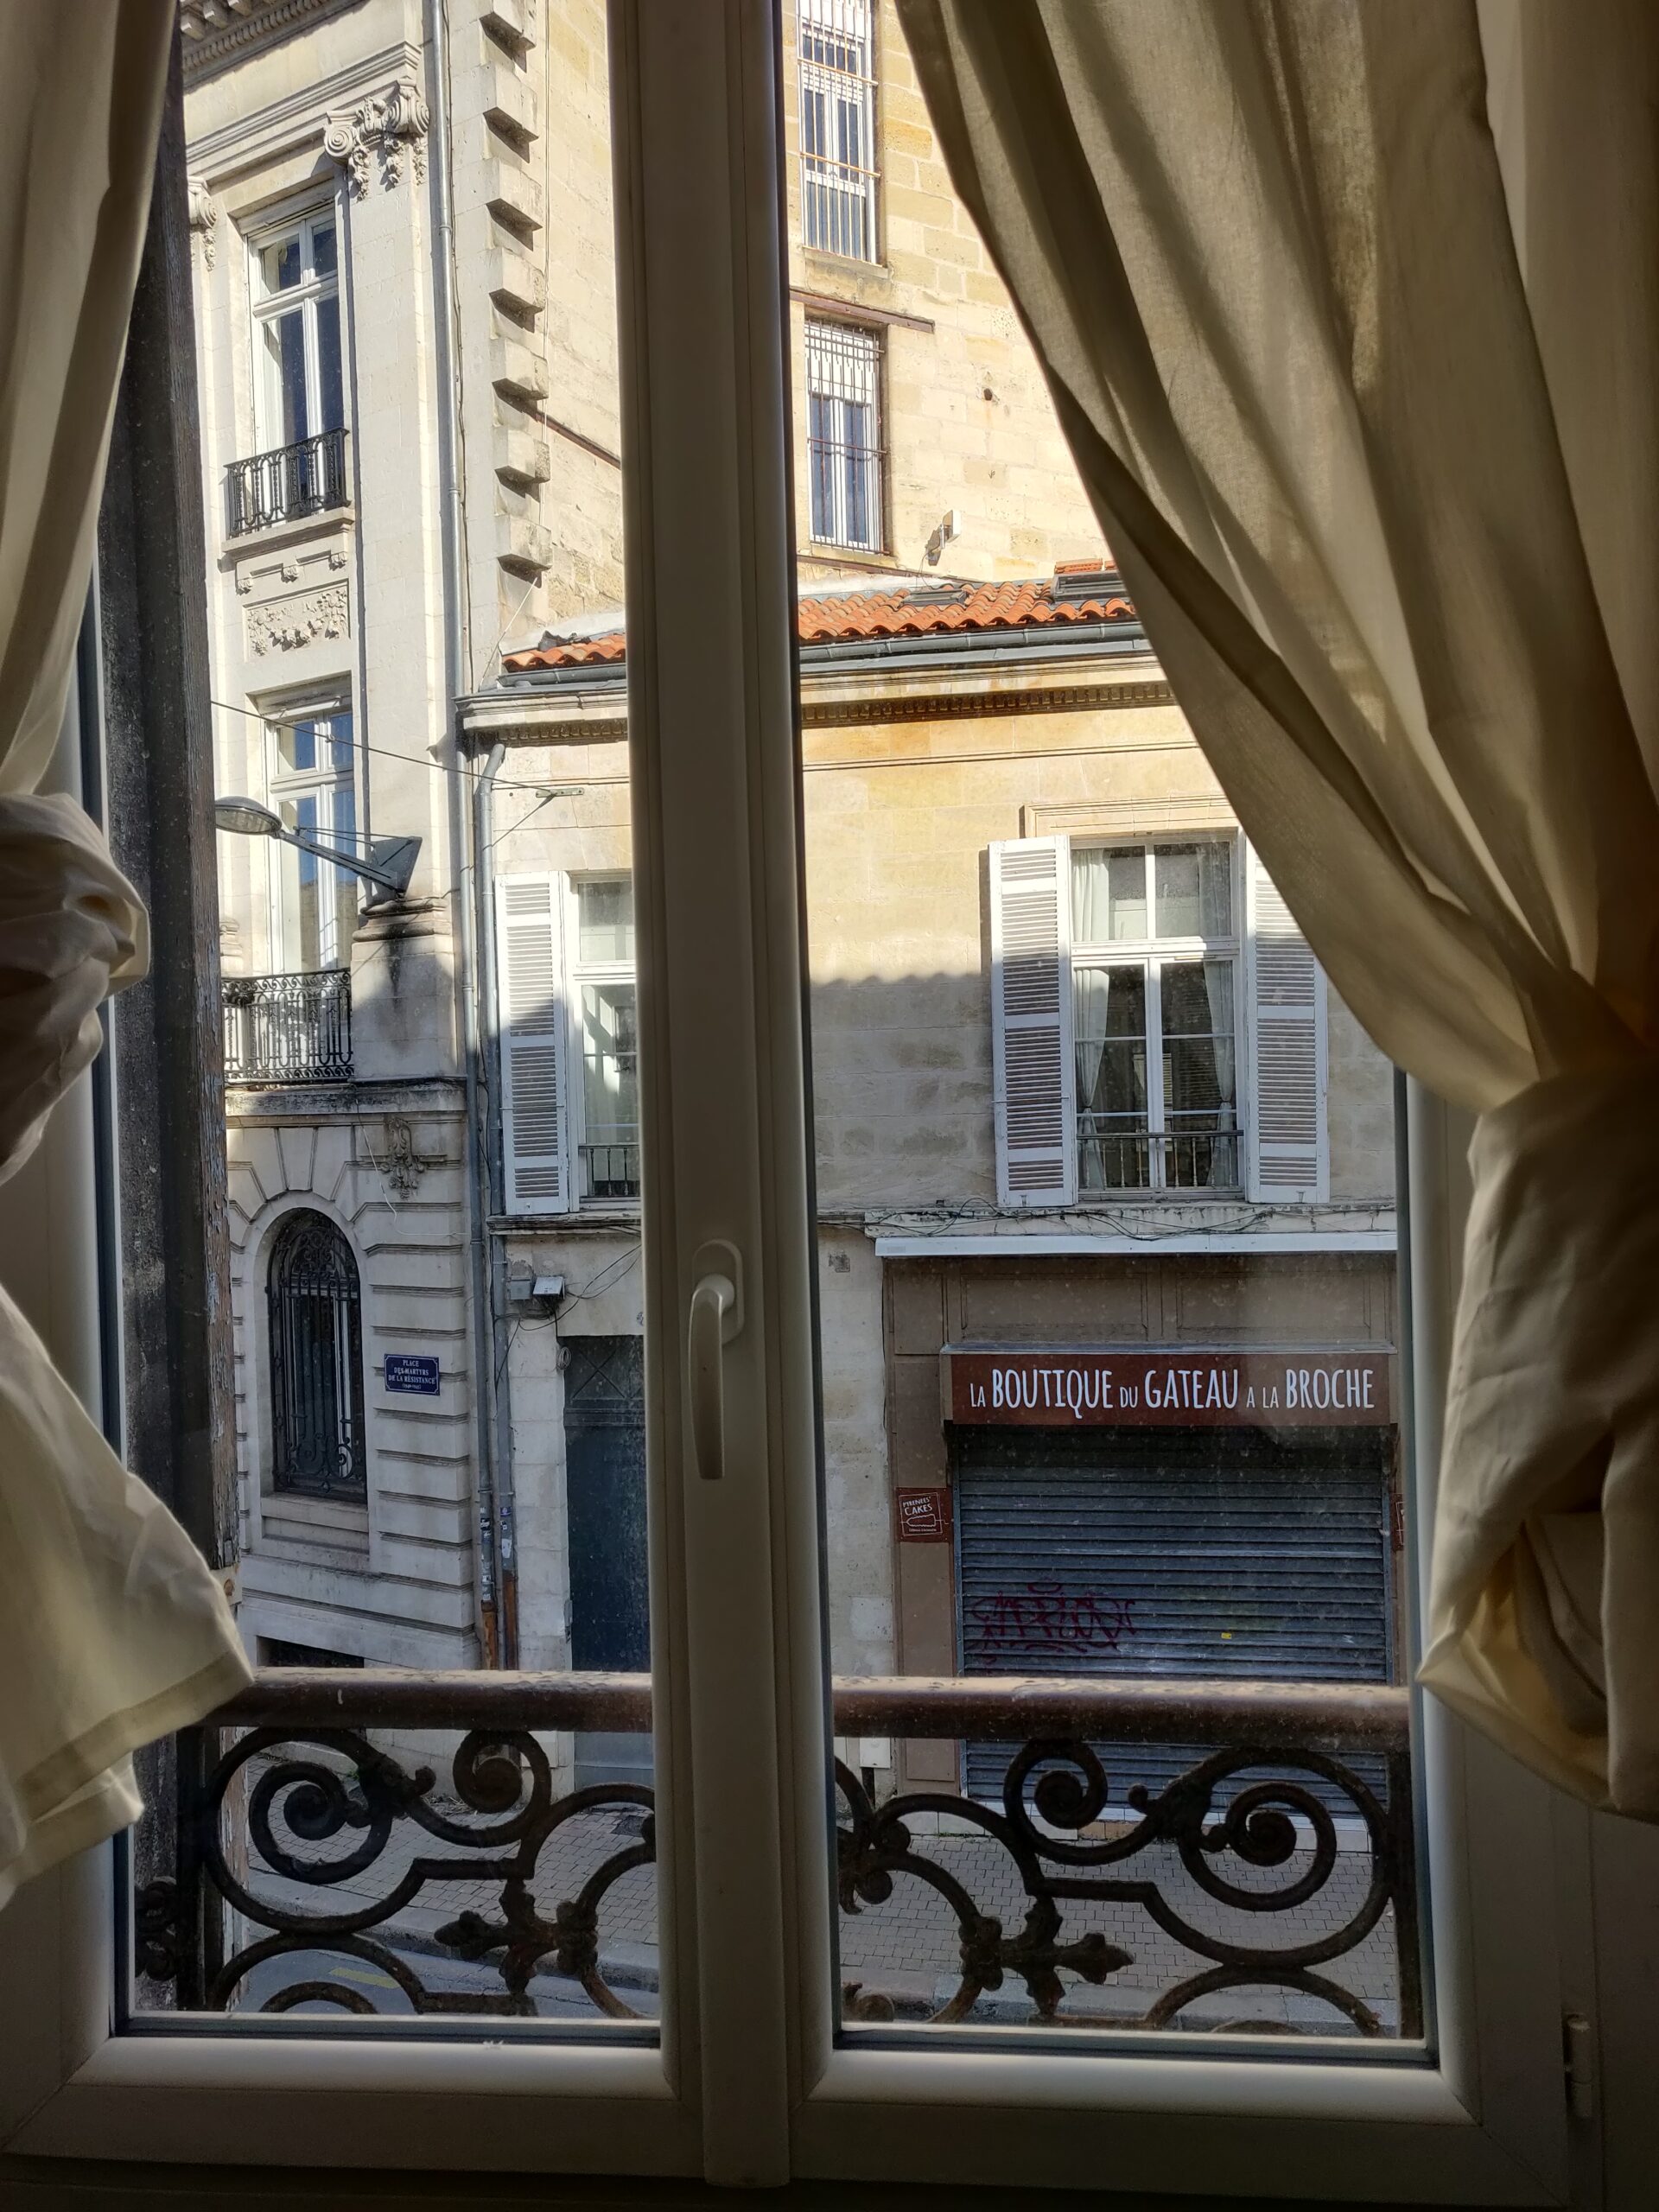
[[388, 125], [217, 33], [203, 217]]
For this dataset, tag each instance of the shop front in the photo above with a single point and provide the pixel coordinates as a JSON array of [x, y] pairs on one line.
[[1170, 1510]]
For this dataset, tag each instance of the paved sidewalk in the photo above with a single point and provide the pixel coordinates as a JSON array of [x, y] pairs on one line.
[[903, 1954]]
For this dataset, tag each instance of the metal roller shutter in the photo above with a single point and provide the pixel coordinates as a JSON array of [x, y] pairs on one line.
[[1209, 1553]]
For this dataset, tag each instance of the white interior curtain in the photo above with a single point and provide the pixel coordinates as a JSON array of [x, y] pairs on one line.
[[1091, 989], [1224, 1154], [113, 1630], [1349, 316]]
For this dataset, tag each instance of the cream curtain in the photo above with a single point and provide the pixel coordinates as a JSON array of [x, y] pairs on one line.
[[113, 1630], [1363, 396]]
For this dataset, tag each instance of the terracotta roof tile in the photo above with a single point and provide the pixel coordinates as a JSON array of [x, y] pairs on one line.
[[914, 610]]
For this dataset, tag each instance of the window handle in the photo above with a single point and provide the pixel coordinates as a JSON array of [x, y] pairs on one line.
[[717, 1316]]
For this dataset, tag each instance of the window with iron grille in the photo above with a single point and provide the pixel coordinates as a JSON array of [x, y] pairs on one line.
[[843, 436], [837, 79], [314, 1314]]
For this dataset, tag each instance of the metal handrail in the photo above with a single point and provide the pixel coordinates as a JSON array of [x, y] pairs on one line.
[[289, 1029], [982, 1708], [306, 478]]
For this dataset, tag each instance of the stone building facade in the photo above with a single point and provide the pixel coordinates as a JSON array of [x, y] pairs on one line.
[[406, 301], [948, 743]]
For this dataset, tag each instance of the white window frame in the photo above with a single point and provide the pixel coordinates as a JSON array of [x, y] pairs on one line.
[[847, 192], [750, 2080], [290, 785], [1148, 955], [582, 972], [265, 306], [851, 349]]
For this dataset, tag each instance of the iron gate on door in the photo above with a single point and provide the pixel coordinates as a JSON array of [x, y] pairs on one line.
[[1202, 1553]]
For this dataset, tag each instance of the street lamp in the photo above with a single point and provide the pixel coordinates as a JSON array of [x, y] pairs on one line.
[[388, 866]]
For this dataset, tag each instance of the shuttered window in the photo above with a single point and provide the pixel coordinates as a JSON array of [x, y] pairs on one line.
[[532, 1028], [1031, 1022], [1142, 1041], [1290, 1153]]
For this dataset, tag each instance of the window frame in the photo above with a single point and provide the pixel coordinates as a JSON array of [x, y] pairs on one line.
[[1149, 954], [349, 1319], [813, 74], [872, 457], [304, 297], [294, 785], [749, 2081], [578, 972]]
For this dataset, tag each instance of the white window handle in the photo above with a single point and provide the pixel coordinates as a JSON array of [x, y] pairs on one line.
[[716, 1318]]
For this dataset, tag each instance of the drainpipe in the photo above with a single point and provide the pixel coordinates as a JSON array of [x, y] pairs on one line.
[[492, 1181], [494, 1643]]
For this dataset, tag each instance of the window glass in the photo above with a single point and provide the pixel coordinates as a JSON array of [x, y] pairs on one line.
[[1193, 889], [322, 249], [1109, 895], [281, 263], [837, 120], [610, 1146], [843, 440], [604, 918]]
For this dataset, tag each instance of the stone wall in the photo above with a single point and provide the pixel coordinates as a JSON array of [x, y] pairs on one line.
[[968, 423]]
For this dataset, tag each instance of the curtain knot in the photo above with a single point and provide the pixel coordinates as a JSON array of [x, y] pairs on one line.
[[1547, 1545], [72, 930]]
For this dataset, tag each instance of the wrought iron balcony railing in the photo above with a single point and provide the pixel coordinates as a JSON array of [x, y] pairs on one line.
[[316, 1869], [303, 479], [1115, 1152], [610, 1171], [294, 1028]]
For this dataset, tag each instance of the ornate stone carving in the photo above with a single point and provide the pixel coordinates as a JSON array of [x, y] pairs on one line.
[[336, 557], [203, 217], [291, 572], [391, 123], [283, 624], [404, 1166]]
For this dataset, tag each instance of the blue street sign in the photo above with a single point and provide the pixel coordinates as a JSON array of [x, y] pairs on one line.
[[413, 1373]]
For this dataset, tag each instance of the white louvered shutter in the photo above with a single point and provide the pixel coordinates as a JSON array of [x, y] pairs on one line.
[[1289, 1150], [1035, 1083], [530, 1014]]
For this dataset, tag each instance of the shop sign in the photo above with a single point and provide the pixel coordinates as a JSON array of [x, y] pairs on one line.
[[1177, 1387], [922, 1516]]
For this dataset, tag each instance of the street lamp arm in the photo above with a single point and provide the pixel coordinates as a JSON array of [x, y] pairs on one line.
[[389, 870]]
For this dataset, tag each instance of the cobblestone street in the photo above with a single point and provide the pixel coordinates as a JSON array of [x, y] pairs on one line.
[[902, 1952]]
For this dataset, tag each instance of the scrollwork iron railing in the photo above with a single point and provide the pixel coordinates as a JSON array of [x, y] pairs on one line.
[[293, 1028], [1229, 1901], [303, 479]]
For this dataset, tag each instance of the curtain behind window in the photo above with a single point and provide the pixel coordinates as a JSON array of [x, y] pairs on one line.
[[113, 1630], [1364, 404]]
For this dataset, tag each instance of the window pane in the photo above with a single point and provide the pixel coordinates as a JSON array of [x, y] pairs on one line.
[[281, 265], [610, 1095], [1194, 887], [1108, 1345], [330, 395], [404, 1497], [1109, 895], [283, 338], [605, 920]]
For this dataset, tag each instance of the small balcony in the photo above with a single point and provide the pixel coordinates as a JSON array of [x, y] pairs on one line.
[[305, 479], [609, 1171], [284, 1029], [1117, 1152], [1266, 1885]]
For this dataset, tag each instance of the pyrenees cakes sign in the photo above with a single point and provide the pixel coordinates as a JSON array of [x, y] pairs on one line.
[[1179, 1388]]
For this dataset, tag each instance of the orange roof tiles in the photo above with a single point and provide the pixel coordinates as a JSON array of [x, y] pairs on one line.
[[914, 610]]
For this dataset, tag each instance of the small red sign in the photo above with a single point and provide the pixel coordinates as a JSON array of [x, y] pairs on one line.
[[924, 1516], [1178, 1388]]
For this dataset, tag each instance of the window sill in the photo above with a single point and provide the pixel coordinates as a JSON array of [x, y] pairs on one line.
[[326, 522]]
